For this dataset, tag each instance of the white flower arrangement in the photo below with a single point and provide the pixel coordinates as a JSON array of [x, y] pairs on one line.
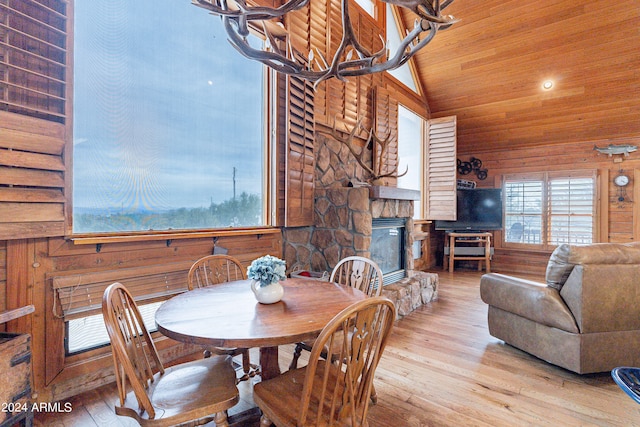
[[267, 270]]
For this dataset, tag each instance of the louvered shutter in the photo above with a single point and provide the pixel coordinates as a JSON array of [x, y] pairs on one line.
[[298, 24], [440, 169], [571, 201], [32, 133], [80, 295], [318, 28], [296, 136], [550, 208], [385, 159], [523, 208]]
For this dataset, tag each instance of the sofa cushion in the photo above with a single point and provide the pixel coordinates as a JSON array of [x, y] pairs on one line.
[[565, 257]]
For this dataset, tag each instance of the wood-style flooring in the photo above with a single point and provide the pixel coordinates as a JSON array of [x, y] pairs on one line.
[[442, 368]]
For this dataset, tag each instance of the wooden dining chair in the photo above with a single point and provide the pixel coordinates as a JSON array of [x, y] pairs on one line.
[[333, 389], [354, 271], [215, 269], [360, 273], [212, 270], [195, 392]]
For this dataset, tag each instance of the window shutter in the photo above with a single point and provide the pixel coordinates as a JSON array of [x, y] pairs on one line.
[[523, 209], [571, 201], [33, 58], [32, 132], [385, 159], [440, 169], [297, 148], [550, 208], [80, 295], [317, 27]]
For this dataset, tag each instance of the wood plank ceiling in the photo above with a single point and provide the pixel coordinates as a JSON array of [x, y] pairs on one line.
[[488, 70]]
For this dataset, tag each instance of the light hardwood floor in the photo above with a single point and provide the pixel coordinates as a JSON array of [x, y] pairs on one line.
[[442, 368]]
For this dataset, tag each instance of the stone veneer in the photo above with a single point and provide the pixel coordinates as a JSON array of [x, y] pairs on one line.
[[412, 291], [343, 222], [343, 227]]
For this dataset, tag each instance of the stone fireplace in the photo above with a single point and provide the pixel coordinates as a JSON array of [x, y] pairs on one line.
[[344, 226], [343, 223]]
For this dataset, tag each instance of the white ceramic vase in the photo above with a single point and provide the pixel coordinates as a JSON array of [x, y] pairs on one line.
[[267, 294]]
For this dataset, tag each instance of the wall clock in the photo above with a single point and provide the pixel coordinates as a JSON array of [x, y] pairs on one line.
[[621, 182]]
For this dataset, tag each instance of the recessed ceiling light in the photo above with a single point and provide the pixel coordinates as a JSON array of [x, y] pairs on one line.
[[547, 84]]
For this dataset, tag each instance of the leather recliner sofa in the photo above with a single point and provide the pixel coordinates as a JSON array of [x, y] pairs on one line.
[[586, 318]]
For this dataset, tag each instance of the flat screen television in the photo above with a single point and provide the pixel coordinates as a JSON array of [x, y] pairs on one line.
[[479, 209]]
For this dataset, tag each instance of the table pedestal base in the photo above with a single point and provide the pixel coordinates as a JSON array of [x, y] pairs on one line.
[[269, 366]]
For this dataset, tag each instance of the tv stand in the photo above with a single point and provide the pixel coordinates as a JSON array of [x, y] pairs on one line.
[[467, 246]]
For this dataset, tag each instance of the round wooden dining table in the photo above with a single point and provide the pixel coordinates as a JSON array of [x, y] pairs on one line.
[[228, 315]]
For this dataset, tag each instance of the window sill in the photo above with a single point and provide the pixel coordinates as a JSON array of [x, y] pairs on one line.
[[97, 239]]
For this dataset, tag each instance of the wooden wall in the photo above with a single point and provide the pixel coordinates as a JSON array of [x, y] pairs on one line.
[[57, 376], [489, 67], [488, 70], [3, 277], [617, 221]]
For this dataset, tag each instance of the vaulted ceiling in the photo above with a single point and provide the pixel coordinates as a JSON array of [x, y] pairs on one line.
[[488, 70]]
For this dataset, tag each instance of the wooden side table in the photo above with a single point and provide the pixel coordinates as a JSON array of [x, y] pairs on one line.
[[477, 248], [15, 373]]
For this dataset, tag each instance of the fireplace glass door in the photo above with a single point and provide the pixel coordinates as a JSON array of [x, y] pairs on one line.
[[388, 247]]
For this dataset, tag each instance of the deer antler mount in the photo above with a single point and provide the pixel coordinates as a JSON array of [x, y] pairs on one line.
[[378, 145]]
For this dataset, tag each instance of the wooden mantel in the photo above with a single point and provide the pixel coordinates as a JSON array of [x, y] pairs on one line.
[[386, 192]]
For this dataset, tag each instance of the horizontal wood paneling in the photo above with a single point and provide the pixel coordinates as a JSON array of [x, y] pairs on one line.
[[3, 278], [617, 220], [58, 262], [488, 70]]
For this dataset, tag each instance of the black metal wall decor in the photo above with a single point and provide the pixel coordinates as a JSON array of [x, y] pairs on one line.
[[473, 165]]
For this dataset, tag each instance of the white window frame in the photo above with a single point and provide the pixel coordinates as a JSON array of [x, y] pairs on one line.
[[411, 155], [522, 230]]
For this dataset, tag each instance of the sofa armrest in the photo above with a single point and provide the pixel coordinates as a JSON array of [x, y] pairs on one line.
[[531, 300]]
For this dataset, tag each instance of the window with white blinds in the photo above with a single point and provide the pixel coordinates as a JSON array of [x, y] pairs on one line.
[[548, 209], [523, 210], [571, 210]]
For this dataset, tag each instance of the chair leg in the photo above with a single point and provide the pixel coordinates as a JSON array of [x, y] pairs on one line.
[[374, 395], [296, 356], [264, 421], [246, 365], [221, 420]]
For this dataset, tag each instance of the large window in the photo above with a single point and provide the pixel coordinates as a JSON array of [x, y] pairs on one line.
[[394, 37], [169, 121], [548, 209], [410, 153]]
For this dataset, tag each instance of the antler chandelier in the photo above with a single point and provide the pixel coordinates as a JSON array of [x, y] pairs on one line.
[[350, 58]]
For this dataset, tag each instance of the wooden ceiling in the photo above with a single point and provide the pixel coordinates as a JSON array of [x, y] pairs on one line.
[[488, 70]]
